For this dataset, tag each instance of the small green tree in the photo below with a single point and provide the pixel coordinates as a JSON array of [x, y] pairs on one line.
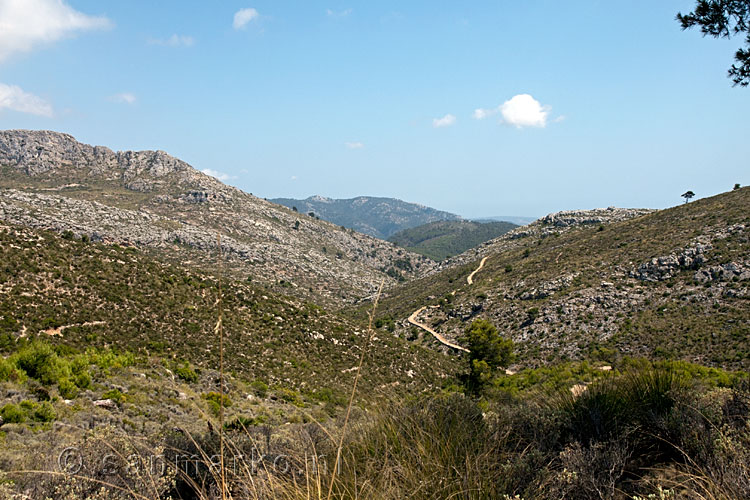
[[488, 351], [687, 195], [736, 187]]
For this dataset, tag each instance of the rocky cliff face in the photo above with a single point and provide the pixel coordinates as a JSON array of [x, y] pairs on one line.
[[149, 198], [48, 155]]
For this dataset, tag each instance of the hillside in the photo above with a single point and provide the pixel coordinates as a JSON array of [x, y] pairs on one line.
[[603, 284], [378, 217], [440, 240], [152, 200], [84, 294]]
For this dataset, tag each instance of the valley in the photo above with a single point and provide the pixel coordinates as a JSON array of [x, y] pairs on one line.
[[117, 305]]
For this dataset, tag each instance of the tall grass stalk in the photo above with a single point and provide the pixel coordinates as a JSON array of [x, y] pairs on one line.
[[365, 350], [219, 330]]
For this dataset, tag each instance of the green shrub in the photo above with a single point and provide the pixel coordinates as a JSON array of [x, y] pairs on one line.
[[67, 389], [488, 351], [214, 400], [326, 395], [115, 395], [12, 414], [82, 380], [260, 388], [8, 371], [44, 412], [596, 414], [39, 361], [107, 358], [186, 373], [291, 396], [241, 423]]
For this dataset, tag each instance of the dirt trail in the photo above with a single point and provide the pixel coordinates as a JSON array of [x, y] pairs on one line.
[[470, 278], [414, 321]]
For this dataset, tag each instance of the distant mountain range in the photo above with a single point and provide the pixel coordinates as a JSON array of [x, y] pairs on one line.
[[515, 219], [376, 216], [443, 239]]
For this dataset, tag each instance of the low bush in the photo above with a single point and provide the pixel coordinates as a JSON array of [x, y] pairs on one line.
[[39, 361], [186, 373], [215, 400], [115, 395], [13, 414], [259, 388], [67, 389]]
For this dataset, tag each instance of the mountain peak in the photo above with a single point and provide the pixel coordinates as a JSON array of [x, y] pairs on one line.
[[318, 198], [49, 155]]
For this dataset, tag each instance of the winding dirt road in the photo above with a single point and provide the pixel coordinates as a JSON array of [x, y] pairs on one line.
[[414, 321], [470, 278]]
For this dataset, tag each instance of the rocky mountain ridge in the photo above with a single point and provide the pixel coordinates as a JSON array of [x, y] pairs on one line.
[[50, 180]]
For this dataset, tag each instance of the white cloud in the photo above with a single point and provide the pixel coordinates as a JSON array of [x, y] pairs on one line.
[[445, 121], [294, 178], [14, 98], [24, 24], [340, 13], [521, 110], [124, 97], [481, 113], [223, 177], [354, 145], [524, 111], [173, 41], [244, 16]]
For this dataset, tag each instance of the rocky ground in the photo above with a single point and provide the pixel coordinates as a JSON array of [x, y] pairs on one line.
[[604, 283], [549, 225], [150, 199]]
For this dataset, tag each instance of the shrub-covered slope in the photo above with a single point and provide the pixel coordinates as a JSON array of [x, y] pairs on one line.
[[440, 240], [673, 283], [80, 294], [376, 216]]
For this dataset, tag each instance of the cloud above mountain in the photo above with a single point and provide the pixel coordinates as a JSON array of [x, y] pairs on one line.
[[14, 98], [223, 177], [27, 24]]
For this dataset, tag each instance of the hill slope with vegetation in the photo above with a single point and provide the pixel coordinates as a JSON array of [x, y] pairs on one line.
[[669, 284], [82, 294], [440, 240], [156, 201], [376, 216]]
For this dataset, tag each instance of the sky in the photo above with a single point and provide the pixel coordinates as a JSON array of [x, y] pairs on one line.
[[480, 108]]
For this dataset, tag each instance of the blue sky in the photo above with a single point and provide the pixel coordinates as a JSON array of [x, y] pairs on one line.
[[617, 105]]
